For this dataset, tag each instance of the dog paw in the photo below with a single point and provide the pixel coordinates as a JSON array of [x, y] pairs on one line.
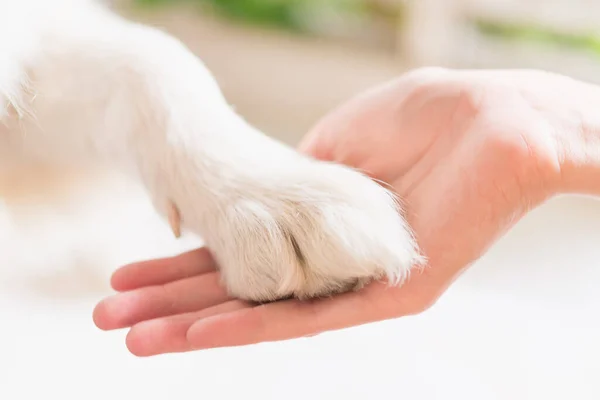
[[288, 226]]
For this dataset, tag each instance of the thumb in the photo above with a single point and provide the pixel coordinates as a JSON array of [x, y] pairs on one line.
[[309, 144], [315, 144]]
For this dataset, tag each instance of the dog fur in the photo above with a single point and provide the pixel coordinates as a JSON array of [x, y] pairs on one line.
[[79, 83]]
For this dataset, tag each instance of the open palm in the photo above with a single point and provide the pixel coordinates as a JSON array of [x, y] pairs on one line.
[[469, 153]]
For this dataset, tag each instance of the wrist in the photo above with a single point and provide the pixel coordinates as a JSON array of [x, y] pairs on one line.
[[578, 142], [569, 154]]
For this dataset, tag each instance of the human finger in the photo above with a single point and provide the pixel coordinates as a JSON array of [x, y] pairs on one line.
[[186, 295], [169, 335], [164, 270], [292, 319]]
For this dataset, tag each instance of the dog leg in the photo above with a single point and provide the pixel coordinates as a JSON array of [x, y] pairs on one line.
[[91, 85]]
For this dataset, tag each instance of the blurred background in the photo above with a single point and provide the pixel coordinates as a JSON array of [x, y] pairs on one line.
[[521, 324], [323, 51]]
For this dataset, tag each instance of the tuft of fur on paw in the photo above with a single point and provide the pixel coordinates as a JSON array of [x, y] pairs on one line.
[[310, 231]]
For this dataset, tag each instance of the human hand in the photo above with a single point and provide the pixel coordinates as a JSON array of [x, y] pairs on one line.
[[468, 152]]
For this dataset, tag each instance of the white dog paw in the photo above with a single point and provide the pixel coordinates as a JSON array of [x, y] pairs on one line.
[[296, 228]]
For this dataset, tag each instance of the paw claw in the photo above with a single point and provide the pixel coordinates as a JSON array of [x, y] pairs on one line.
[[174, 219]]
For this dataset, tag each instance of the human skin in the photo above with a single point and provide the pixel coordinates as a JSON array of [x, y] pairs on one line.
[[468, 152]]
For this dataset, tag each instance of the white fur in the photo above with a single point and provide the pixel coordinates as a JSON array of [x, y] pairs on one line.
[[79, 83]]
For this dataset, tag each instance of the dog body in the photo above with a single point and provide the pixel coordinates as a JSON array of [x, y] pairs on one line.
[[78, 83]]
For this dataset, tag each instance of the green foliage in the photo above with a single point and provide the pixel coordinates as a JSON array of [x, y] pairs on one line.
[[292, 14], [539, 34], [279, 13]]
